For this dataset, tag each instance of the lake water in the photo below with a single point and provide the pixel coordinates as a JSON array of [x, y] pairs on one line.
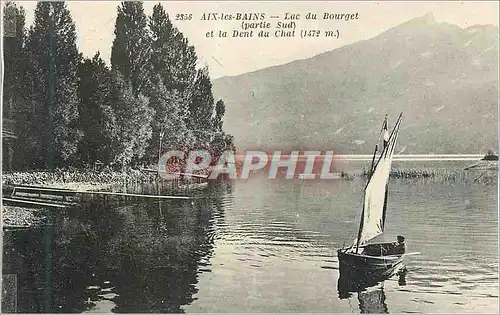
[[259, 246]]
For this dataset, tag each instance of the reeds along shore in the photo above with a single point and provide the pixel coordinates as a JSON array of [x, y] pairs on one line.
[[85, 179], [92, 179], [449, 175], [58, 176]]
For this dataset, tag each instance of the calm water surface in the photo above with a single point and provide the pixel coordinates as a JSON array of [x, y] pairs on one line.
[[258, 246]]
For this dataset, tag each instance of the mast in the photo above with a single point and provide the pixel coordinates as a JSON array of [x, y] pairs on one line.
[[373, 162], [385, 205], [386, 142], [385, 132], [360, 228]]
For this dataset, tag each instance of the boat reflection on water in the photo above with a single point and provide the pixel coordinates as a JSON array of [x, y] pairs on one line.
[[369, 291]]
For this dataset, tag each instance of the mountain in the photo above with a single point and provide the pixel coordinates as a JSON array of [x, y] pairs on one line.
[[442, 77]]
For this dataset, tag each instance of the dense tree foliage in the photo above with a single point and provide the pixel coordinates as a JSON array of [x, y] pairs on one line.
[[13, 102], [14, 36], [133, 122], [131, 46], [52, 82], [97, 118], [77, 111], [169, 125]]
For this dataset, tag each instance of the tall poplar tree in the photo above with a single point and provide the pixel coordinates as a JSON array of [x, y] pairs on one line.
[[131, 67], [220, 110], [130, 53], [13, 43], [171, 55], [221, 141], [133, 118], [163, 56], [169, 93], [201, 107], [169, 128], [52, 83], [185, 61], [97, 119], [13, 104]]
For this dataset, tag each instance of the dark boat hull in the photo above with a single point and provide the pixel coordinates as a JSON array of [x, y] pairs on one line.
[[376, 263]]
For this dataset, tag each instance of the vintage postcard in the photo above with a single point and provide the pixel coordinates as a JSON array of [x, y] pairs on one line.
[[250, 157]]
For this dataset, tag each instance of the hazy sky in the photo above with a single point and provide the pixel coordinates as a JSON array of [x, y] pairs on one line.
[[95, 25]]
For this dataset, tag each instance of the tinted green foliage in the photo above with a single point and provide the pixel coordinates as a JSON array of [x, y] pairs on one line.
[[77, 111]]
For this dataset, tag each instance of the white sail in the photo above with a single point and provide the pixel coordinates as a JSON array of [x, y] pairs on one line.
[[373, 216]]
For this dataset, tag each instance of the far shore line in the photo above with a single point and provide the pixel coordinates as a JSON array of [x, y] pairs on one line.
[[397, 157]]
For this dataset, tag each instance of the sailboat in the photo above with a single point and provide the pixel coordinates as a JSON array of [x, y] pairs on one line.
[[362, 261]]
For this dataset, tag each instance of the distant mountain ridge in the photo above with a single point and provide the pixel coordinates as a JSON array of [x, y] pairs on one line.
[[442, 77]]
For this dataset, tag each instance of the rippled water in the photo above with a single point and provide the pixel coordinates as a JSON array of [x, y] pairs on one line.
[[259, 246]]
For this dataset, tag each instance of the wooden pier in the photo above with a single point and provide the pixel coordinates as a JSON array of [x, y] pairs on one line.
[[23, 202], [67, 192], [61, 198]]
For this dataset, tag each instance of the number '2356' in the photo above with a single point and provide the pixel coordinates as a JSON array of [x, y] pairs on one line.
[[183, 17]]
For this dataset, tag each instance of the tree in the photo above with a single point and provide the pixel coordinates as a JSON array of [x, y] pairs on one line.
[[220, 110], [221, 141], [52, 83], [133, 122], [131, 66], [13, 104], [163, 51], [173, 65], [201, 106], [14, 35], [186, 61], [97, 119], [171, 55], [130, 53], [169, 128]]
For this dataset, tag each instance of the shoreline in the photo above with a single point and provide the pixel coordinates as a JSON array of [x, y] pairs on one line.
[[80, 179], [99, 180], [22, 217], [102, 180]]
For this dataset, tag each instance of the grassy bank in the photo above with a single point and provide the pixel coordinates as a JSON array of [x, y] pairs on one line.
[[77, 179], [20, 217]]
